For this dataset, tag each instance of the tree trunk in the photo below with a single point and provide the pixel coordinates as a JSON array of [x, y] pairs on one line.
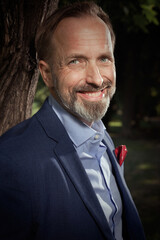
[[129, 94], [18, 69], [131, 82]]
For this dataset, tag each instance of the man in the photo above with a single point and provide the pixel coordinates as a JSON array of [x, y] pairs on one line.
[[60, 178]]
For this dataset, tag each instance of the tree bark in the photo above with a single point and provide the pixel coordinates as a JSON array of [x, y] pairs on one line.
[[130, 81], [19, 20]]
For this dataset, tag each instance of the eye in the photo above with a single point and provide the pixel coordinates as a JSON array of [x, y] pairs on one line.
[[105, 60], [74, 61]]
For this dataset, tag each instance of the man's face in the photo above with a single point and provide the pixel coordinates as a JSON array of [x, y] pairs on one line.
[[83, 70]]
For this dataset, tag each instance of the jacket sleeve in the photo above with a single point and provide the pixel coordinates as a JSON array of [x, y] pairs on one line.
[[15, 203]]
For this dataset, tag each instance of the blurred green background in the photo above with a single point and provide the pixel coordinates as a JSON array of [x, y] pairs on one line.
[[134, 115]]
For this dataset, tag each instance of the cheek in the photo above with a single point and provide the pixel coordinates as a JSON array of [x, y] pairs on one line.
[[110, 74], [113, 74], [68, 79]]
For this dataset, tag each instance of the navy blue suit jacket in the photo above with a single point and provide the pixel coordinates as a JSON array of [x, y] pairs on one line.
[[44, 190]]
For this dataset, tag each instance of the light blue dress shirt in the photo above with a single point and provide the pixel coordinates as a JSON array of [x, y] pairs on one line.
[[92, 153]]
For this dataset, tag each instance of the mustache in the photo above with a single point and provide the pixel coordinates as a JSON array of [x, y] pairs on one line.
[[93, 88]]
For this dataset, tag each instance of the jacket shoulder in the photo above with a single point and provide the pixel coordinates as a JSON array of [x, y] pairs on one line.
[[18, 131]]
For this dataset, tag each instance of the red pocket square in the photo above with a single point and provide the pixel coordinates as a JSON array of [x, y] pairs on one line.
[[121, 153]]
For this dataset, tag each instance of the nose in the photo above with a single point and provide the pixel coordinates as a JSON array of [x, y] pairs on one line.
[[93, 75]]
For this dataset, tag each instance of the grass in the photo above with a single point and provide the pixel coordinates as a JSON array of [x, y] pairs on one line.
[[142, 174]]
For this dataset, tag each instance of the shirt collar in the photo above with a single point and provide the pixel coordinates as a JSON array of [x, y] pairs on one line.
[[78, 131]]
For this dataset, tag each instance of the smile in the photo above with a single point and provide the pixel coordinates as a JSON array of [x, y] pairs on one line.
[[93, 96]]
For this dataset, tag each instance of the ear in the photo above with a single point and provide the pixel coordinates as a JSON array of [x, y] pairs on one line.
[[46, 73]]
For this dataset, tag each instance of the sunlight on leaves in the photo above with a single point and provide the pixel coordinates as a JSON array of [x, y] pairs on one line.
[[150, 13], [145, 166], [115, 124], [151, 182]]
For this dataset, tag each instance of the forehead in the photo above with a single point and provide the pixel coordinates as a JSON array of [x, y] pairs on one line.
[[80, 32]]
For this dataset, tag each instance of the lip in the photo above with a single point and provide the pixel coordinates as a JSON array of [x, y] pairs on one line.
[[93, 95]]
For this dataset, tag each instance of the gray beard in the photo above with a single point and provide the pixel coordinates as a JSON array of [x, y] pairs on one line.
[[84, 110], [88, 111]]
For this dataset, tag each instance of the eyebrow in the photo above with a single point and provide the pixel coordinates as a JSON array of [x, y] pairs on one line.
[[76, 56], [103, 55]]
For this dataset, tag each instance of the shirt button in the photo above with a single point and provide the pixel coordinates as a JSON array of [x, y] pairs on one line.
[[96, 137]]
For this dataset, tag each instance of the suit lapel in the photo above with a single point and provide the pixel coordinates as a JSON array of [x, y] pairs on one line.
[[77, 174], [116, 168], [68, 157], [118, 173], [132, 220]]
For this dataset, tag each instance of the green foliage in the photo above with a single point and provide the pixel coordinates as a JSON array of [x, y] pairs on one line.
[[41, 94], [158, 109], [135, 15], [150, 13], [143, 15]]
